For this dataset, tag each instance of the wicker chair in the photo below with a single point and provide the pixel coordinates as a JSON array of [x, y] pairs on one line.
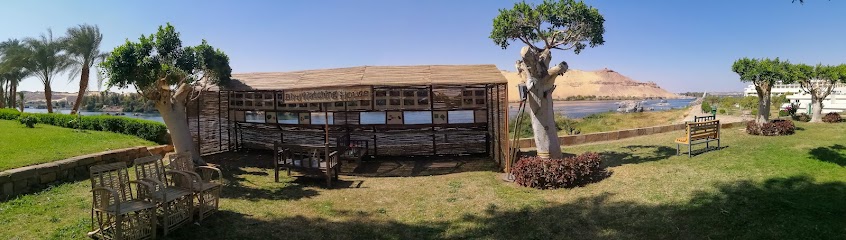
[[172, 192], [205, 185], [115, 213]]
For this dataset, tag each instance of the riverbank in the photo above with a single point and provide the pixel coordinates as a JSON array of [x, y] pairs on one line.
[[603, 122], [581, 109], [27, 146]]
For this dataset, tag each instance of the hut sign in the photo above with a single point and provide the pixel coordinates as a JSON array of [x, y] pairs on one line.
[[327, 95]]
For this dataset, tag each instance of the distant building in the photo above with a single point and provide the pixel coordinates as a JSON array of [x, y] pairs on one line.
[[835, 102]]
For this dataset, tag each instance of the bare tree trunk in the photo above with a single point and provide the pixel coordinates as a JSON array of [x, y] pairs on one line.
[[817, 106], [3, 95], [22, 102], [176, 119], [83, 86], [48, 95], [540, 80], [543, 121], [764, 108]]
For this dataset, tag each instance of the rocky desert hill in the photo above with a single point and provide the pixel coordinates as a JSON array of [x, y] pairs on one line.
[[604, 83]]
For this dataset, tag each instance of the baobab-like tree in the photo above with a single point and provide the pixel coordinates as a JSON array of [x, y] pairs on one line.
[[164, 71], [551, 25], [763, 74], [818, 82]]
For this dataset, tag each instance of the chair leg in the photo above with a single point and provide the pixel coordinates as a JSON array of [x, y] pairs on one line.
[[689, 149], [202, 203], [276, 174]]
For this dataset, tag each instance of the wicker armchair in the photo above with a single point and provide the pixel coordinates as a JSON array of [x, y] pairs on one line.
[[171, 192], [115, 212], [206, 183]]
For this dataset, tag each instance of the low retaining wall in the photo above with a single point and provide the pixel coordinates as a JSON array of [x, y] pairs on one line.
[[571, 140], [28, 179]]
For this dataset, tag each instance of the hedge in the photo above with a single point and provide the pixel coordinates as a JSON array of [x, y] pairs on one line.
[[146, 129]]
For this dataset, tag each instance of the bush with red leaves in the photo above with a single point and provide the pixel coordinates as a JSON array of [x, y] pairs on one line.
[[832, 117], [774, 128], [536, 172]]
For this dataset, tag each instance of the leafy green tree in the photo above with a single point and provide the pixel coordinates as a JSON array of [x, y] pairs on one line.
[[83, 47], [763, 74], [163, 70], [12, 67], [46, 58], [818, 82], [561, 25]]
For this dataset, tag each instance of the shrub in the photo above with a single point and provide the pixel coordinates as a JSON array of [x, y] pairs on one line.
[[783, 113], [832, 117], [792, 108], [706, 107], [774, 128], [29, 121], [802, 117], [536, 172], [146, 129], [9, 114], [722, 111]]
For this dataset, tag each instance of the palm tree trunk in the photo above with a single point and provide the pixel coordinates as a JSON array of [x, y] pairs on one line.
[[13, 95], [48, 95], [83, 86]]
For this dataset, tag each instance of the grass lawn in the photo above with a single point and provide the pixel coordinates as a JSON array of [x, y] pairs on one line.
[[21, 146], [789, 187]]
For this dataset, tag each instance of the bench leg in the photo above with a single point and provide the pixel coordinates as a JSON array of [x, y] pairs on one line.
[[689, 149], [707, 145], [678, 149]]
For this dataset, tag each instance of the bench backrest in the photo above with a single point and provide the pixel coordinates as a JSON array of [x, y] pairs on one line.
[[703, 130], [705, 118]]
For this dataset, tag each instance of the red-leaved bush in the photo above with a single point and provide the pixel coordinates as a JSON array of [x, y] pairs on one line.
[[536, 172], [832, 117], [774, 128]]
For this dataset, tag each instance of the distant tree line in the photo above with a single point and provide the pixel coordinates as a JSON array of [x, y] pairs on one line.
[[129, 102]]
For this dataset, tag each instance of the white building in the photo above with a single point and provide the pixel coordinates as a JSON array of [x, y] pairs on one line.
[[835, 102]]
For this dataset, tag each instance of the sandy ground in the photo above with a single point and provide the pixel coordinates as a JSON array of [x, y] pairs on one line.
[[696, 111]]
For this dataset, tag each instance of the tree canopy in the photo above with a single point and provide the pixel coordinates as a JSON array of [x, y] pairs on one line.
[[564, 24], [762, 72], [159, 66]]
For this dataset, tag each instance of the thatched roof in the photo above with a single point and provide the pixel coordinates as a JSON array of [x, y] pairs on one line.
[[369, 75]]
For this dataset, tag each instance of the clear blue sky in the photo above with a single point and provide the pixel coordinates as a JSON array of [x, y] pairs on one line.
[[681, 45]]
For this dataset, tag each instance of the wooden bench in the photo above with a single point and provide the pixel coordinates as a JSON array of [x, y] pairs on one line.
[[698, 133], [352, 150], [307, 159]]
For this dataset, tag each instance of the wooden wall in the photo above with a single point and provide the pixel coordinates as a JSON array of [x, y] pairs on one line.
[[465, 120]]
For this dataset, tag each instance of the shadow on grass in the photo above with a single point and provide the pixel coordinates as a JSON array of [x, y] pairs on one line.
[[830, 154], [634, 154], [779, 208]]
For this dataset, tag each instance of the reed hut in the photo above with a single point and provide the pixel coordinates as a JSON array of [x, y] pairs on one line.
[[400, 110]]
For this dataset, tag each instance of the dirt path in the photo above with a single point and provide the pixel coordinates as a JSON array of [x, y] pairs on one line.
[[697, 111]]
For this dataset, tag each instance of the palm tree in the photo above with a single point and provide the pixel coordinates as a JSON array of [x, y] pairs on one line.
[[22, 100], [12, 66], [46, 58], [83, 46]]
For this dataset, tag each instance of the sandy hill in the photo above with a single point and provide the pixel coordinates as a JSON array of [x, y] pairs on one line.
[[604, 82]]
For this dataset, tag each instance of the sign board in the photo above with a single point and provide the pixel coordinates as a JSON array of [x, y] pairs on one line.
[[327, 95]]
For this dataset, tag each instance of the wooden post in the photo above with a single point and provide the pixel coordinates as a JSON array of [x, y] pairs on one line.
[[326, 144]]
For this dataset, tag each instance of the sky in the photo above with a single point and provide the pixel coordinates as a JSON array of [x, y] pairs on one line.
[[681, 45]]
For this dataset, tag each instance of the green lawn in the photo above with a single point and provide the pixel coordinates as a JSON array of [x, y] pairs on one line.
[[789, 187], [21, 146]]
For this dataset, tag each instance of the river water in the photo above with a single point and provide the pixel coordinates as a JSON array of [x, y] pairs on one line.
[[580, 109], [571, 109]]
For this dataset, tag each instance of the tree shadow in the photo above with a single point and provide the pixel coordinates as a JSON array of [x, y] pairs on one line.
[[634, 154], [779, 208], [830, 154]]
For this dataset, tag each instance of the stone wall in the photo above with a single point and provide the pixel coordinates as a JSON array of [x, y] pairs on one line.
[[29, 179], [617, 135]]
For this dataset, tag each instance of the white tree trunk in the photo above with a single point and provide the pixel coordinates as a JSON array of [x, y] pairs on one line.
[[763, 107], [816, 106], [543, 118], [176, 119]]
